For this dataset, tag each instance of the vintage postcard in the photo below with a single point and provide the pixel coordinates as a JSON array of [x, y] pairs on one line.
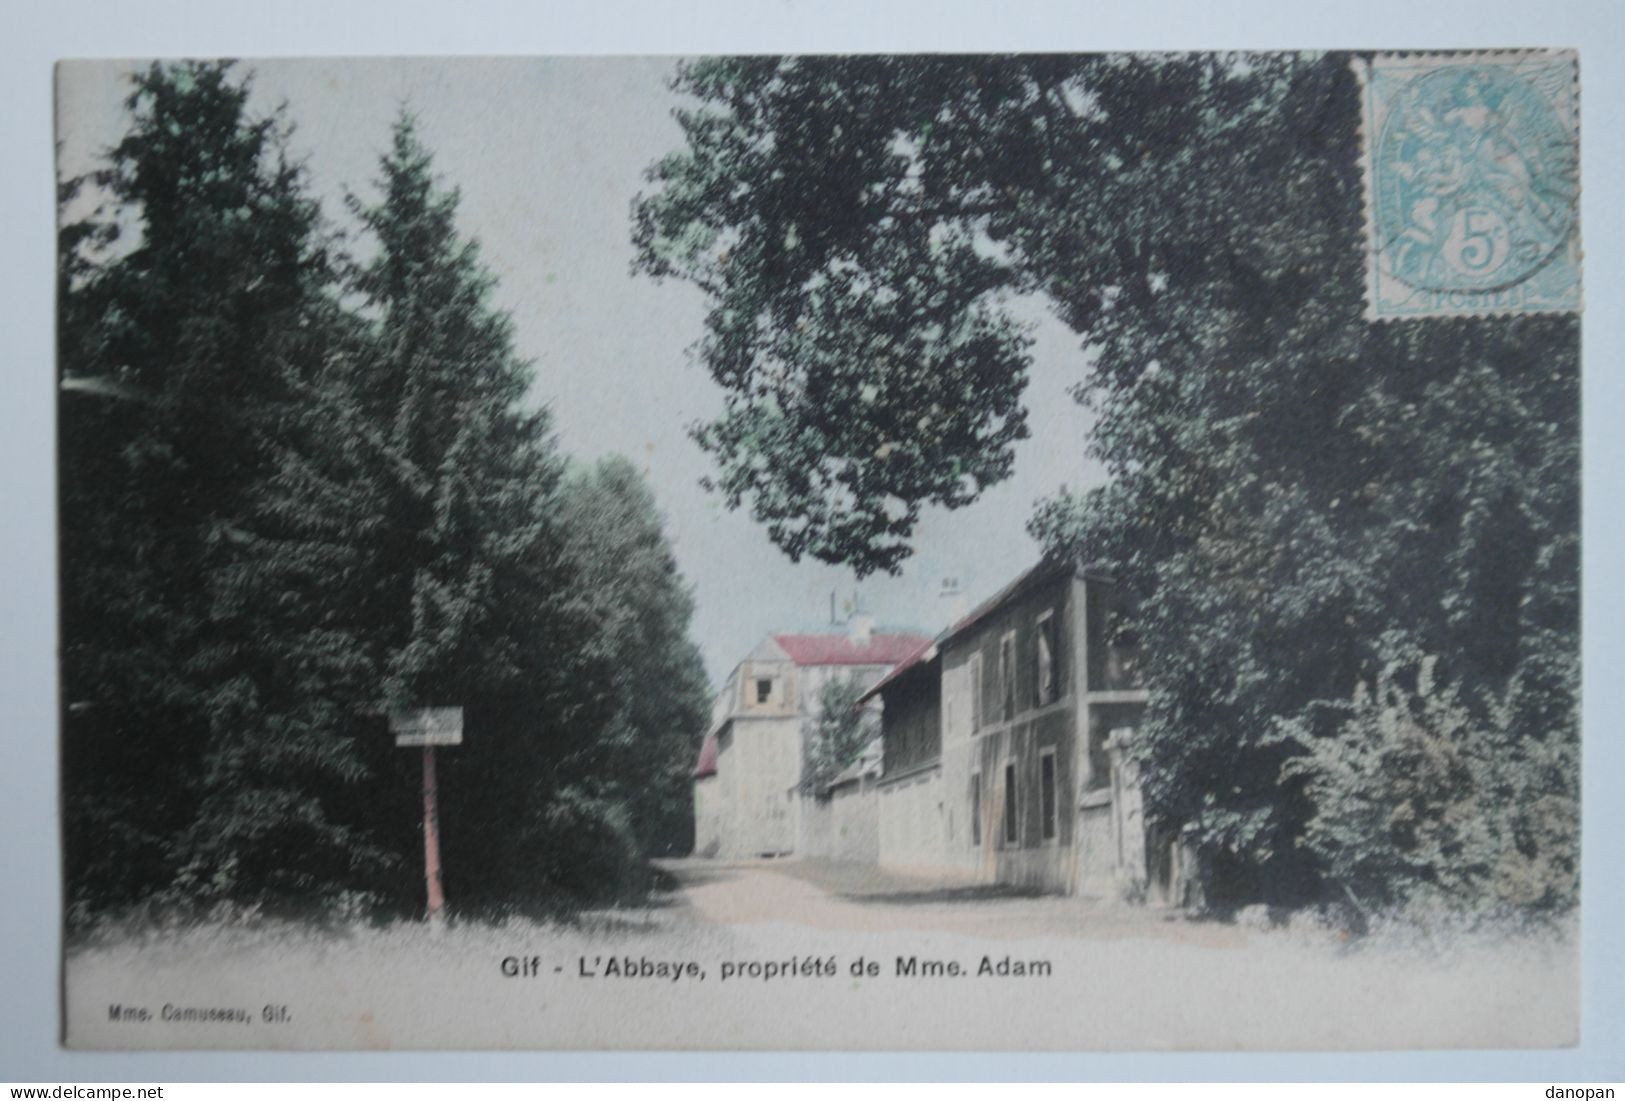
[[1070, 552]]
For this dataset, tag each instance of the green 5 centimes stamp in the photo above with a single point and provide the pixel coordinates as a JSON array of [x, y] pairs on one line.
[[1472, 184]]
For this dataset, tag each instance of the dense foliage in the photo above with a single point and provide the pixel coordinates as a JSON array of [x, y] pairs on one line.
[[299, 490], [639, 610], [195, 295], [1302, 501], [1423, 802], [836, 737]]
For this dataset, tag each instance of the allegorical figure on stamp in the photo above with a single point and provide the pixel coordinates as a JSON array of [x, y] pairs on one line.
[[1473, 181]]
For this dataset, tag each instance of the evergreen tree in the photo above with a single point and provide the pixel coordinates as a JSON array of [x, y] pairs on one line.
[[839, 734], [410, 546], [288, 510], [183, 312]]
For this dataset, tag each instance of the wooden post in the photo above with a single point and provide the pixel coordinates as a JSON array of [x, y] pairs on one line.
[[431, 839], [425, 728]]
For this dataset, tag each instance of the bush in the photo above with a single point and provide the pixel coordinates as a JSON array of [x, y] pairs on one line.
[[586, 850], [1426, 800]]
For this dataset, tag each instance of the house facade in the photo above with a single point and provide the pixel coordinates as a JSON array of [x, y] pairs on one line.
[[1006, 746], [747, 781]]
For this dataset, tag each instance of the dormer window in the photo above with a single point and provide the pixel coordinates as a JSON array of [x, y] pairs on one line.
[[764, 689]]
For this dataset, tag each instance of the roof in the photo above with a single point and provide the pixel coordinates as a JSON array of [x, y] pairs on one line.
[[707, 764], [841, 649], [1044, 570], [922, 656]]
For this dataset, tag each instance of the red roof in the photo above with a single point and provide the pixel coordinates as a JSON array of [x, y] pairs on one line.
[[842, 650], [707, 764]]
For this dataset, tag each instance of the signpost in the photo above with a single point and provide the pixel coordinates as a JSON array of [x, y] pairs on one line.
[[428, 727]]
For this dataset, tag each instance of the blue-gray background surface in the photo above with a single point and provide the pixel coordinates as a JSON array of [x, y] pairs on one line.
[[32, 37]]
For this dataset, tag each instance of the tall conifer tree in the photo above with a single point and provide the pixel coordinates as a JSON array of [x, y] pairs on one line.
[[410, 545], [177, 344]]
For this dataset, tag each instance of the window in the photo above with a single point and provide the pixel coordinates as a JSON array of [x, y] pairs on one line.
[[1007, 675], [976, 810], [1047, 683], [1046, 792], [1012, 817], [1114, 644], [764, 689], [976, 692]]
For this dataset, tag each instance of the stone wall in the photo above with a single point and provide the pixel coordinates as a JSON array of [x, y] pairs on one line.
[[855, 813], [912, 822]]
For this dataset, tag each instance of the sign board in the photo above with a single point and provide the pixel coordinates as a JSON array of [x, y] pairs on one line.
[[427, 726]]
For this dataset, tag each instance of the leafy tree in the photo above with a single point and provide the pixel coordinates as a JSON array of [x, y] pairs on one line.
[[1293, 488], [836, 737], [640, 608], [865, 367]]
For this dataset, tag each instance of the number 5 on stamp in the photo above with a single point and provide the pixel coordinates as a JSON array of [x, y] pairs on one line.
[[1471, 169]]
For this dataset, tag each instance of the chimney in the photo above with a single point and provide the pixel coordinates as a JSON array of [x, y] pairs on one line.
[[861, 628], [952, 601]]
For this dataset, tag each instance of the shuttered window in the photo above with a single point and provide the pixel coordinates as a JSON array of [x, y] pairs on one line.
[[976, 692], [1048, 686], [1012, 816], [976, 810], [1046, 792], [1007, 676]]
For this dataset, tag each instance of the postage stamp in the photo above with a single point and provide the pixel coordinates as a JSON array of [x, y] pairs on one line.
[[1471, 169]]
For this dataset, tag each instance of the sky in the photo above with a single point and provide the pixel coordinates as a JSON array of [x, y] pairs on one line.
[[548, 155]]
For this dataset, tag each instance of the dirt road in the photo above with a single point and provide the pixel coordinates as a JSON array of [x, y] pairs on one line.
[[848, 897]]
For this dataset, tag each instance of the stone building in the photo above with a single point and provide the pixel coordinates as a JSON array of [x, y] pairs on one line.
[[747, 797], [1006, 746]]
